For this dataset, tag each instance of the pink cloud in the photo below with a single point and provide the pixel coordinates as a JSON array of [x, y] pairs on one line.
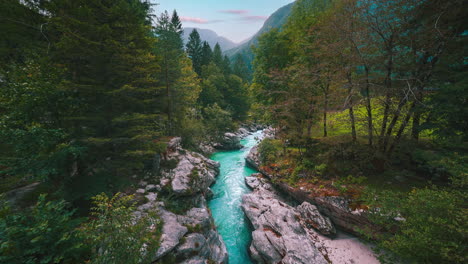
[[198, 20], [195, 20], [234, 11], [254, 18]]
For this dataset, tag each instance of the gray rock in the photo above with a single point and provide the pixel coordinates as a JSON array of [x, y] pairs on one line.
[[174, 144], [172, 232], [140, 191], [192, 246], [253, 158], [193, 174], [312, 218], [151, 196], [279, 235], [230, 141]]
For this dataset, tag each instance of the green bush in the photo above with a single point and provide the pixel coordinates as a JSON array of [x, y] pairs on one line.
[[268, 150], [117, 235], [44, 234], [431, 224]]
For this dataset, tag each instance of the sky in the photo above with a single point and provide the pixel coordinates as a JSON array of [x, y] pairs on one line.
[[236, 20]]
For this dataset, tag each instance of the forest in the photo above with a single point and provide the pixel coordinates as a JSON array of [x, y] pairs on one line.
[[367, 100]]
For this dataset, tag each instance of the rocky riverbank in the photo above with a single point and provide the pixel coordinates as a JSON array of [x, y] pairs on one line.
[[286, 232], [335, 207], [188, 235], [289, 233], [230, 140]]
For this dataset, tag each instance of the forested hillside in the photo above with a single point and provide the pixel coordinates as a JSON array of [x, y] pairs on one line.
[[91, 92], [211, 37]]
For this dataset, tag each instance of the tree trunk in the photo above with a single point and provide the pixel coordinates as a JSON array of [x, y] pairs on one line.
[[353, 123], [325, 109], [401, 130], [415, 126], [169, 99], [351, 109], [369, 109]]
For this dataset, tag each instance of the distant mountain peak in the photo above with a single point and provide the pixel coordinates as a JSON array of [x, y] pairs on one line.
[[211, 37], [276, 20]]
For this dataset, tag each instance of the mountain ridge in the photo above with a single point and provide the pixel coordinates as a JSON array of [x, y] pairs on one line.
[[211, 37], [275, 20]]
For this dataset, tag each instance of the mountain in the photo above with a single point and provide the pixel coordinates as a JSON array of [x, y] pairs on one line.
[[211, 37], [276, 20]]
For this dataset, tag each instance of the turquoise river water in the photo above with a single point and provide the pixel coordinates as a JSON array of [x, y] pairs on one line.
[[225, 205]]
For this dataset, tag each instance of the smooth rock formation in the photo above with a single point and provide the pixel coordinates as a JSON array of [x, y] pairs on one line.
[[279, 236]]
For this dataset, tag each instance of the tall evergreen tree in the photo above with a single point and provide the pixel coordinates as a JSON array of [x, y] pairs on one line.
[[226, 65], [240, 68], [218, 56], [170, 46], [207, 54], [195, 51]]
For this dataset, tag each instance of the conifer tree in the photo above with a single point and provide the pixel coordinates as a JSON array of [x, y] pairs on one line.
[[240, 68], [218, 56], [195, 51], [207, 54], [170, 46]]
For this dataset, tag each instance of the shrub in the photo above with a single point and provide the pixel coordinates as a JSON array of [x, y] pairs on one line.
[[117, 235], [44, 234], [268, 150], [432, 224]]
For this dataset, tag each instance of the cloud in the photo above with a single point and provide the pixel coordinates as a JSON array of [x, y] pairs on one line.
[[254, 18], [195, 20], [198, 20], [234, 11]]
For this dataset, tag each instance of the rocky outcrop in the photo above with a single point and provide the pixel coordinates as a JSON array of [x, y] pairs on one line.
[[312, 218], [253, 159], [190, 236], [193, 173], [230, 141], [279, 236]]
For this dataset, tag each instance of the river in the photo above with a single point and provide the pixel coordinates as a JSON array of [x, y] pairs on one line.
[[225, 205]]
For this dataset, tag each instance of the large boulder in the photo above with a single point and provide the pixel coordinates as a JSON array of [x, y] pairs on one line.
[[230, 141], [253, 158], [193, 173], [172, 232], [279, 236], [312, 218]]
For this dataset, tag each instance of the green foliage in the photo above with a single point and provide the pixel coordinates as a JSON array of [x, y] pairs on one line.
[[46, 233], [268, 150], [116, 235], [217, 121], [195, 51], [431, 226]]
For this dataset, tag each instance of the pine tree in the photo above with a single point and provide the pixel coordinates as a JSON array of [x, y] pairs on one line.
[[226, 65], [207, 54], [195, 51], [218, 56], [170, 46], [240, 68]]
